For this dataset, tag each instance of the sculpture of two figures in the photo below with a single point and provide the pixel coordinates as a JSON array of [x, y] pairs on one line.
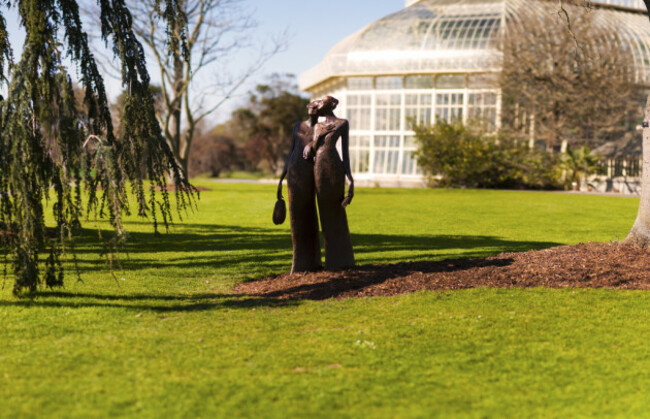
[[315, 170]]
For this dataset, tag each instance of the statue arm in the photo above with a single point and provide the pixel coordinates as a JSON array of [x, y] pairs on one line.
[[317, 140], [286, 162], [345, 148], [310, 149]]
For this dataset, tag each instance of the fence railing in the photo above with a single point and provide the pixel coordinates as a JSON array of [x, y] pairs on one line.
[[621, 167]]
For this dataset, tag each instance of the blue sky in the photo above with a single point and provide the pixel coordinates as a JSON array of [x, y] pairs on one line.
[[314, 28]]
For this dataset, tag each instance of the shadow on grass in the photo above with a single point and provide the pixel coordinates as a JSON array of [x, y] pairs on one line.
[[362, 277], [342, 283], [255, 252], [138, 302]]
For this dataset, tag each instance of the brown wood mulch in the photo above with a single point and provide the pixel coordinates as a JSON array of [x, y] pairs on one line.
[[590, 265]]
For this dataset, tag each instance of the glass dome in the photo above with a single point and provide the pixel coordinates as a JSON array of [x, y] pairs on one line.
[[457, 36], [632, 4], [439, 60]]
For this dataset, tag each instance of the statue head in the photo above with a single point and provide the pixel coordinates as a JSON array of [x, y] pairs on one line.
[[328, 104], [312, 107]]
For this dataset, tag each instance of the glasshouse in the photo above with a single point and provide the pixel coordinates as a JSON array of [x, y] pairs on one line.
[[433, 60]]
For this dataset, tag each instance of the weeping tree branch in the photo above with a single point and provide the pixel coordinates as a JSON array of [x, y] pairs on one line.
[[217, 30], [44, 147]]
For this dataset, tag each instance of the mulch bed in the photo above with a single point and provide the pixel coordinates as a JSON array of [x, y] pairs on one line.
[[591, 265]]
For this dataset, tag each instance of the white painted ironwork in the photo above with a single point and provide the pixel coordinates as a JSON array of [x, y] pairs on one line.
[[434, 60]]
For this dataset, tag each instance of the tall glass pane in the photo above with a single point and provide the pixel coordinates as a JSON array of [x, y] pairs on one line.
[[481, 109], [388, 112], [418, 109], [386, 157], [409, 163], [359, 154], [449, 106], [358, 111]]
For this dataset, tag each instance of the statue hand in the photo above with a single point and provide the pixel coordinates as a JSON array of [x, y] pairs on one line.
[[307, 152], [348, 199]]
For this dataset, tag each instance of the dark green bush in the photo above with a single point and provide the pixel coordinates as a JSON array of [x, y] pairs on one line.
[[453, 155]]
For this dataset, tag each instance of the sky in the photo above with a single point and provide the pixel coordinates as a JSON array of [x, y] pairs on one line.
[[314, 27]]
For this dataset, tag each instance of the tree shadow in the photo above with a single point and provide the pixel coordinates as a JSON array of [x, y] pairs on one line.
[[147, 302], [261, 252], [346, 283], [131, 297], [253, 250], [338, 284]]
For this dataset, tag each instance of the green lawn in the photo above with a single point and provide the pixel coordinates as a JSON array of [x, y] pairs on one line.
[[170, 341]]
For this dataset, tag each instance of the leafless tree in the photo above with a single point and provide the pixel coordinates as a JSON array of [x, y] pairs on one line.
[[555, 76], [213, 154], [639, 235], [640, 232], [194, 73]]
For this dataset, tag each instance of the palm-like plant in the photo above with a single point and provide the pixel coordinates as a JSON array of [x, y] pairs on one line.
[[578, 164]]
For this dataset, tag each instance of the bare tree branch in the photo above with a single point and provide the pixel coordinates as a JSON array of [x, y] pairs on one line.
[[217, 30], [559, 95]]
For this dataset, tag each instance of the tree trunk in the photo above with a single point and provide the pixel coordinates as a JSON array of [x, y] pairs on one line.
[[176, 114], [640, 233], [531, 132]]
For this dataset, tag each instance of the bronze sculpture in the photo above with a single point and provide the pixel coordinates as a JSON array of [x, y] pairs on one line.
[[314, 169], [302, 196], [329, 176]]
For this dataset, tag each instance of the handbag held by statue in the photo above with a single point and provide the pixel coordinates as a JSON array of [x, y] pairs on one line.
[[279, 212]]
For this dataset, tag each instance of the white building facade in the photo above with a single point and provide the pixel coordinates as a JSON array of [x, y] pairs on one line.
[[433, 60]]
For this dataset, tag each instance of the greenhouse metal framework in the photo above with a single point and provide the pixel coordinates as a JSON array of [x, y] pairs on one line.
[[434, 60]]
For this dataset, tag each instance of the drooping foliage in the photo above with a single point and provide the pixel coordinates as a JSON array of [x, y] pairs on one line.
[[5, 50], [53, 149]]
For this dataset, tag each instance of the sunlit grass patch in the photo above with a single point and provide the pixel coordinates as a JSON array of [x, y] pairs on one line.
[[164, 335]]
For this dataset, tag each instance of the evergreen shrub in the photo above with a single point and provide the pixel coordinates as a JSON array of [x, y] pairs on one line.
[[454, 155]]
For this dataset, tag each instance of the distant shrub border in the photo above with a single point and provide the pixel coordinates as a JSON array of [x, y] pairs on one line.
[[454, 155]]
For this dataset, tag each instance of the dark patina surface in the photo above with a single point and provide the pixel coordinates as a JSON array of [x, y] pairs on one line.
[[329, 176], [302, 197], [314, 169]]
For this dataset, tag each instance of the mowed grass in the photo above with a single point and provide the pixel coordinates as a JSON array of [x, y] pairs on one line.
[[164, 337]]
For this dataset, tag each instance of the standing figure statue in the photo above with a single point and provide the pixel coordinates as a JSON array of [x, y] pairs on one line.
[[302, 196], [329, 175]]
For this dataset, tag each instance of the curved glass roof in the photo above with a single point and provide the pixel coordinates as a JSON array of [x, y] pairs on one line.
[[633, 4], [436, 36]]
